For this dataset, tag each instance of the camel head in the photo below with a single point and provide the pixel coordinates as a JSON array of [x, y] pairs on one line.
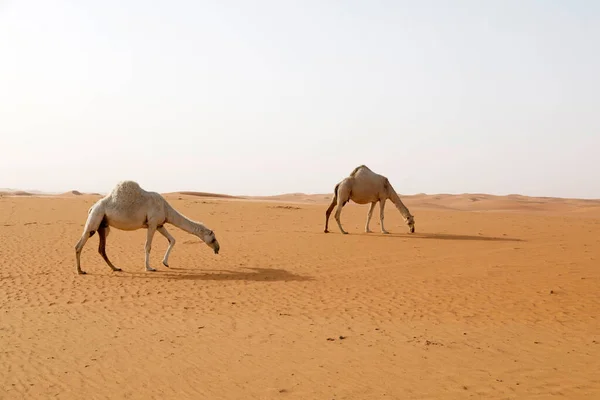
[[211, 240], [410, 221]]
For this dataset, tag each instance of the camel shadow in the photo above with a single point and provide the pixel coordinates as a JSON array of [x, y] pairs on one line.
[[447, 236], [253, 274]]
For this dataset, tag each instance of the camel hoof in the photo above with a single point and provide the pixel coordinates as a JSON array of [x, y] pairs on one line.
[[385, 232], [117, 270], [81, 272], [326, 231], [344, 233], [165, 264], [150, 270]]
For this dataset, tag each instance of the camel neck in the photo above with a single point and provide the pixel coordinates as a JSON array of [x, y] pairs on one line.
[[179, 220], [398, 203]]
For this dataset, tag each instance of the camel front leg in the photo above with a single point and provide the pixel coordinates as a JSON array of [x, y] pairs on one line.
[[149, 236], [163, 231], [369, 215], [381, 216]]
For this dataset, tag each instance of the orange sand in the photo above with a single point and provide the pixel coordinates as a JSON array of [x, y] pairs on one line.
[[492, 298]]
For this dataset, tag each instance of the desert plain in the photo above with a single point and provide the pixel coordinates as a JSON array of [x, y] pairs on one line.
[[493, 297]]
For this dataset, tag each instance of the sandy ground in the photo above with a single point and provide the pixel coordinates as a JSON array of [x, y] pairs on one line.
[[491, 298]]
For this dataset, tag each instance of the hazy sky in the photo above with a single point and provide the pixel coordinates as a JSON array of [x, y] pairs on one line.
[[267, 97]]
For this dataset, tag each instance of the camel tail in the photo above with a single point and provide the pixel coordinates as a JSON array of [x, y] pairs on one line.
[[335, 194], [331, 206]]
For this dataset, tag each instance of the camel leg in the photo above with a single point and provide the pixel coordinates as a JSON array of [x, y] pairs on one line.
[[163, 231], [331, 207], [381, 211], [149, 236], [78, 248], [328, 213], [338, 213], [102, 234], [369, 215], [91, 225], [343, 197]]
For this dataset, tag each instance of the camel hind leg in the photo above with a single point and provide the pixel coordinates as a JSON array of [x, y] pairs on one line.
[[95, 217], [334, 201], [338, 213], [329, 210], [343, 196], [103, 231]]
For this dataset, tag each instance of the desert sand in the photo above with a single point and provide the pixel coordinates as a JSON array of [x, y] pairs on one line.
[[493, 297]]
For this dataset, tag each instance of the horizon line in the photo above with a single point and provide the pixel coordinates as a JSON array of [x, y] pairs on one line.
[[36, 192]]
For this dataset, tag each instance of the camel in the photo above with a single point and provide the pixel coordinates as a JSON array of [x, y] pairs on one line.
[[365, 186], [128, 207]]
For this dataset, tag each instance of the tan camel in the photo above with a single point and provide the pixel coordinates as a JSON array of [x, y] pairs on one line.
[[365, 186], [129, 207]]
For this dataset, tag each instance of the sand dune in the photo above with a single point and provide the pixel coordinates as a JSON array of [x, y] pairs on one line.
[[466, 202], [9, 192], [206, 194], [493, 297], [456, 202], [71, 193]]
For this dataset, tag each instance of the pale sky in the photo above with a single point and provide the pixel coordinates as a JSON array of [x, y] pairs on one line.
[[265, 97]]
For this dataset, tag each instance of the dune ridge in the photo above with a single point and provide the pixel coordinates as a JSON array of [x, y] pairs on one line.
[[11, 192], [480, 202], [464, 202], [72, 193], [204, 194]]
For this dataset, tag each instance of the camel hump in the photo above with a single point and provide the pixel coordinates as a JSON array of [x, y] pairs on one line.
[[355, 170], [126, 192], [127, 186]]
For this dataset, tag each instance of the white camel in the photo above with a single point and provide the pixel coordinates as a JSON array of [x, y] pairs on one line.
[[365, 186], [129, 207]]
